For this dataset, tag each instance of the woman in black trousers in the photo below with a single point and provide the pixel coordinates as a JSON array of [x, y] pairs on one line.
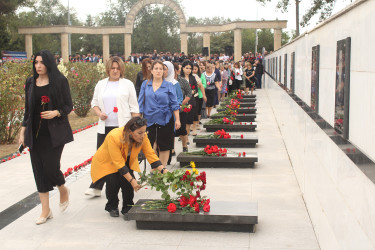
[[46, 129]]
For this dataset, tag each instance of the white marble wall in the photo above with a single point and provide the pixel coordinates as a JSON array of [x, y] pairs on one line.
[[339, 197], [357, 22]]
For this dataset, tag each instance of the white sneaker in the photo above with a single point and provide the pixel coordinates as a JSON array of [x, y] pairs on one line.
[[93, 192]]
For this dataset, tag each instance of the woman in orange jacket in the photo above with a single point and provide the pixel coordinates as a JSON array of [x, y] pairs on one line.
[[117, 159]]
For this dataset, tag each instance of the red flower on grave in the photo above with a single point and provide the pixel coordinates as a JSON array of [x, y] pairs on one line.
[[172, 208], [206, 207], [196, 207], [184, 201], [115, 109], [192, 200]]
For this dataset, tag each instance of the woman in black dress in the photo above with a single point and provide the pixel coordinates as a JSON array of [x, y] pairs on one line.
[[46, 129]]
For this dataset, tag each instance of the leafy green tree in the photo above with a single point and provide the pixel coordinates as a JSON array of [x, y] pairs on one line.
[[323, 8]]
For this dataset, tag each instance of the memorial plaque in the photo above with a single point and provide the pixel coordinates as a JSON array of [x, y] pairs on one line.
[[232, 160], [224, 216], [315, 78], [235, 127], [242, 105], [234, 142], [285, 70], [292, 70], [280, 69], [342, 87], [239, 118]]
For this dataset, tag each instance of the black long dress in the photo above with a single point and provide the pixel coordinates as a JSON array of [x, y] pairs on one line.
[[45, 159]]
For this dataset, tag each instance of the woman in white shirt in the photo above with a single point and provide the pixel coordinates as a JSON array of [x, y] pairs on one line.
[[115, 103], [237, 76]]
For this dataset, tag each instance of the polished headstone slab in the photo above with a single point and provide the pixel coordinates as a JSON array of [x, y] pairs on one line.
[[224, 216], [236, 127], [232, 160], [240, 111], [239, 117], [247, 104], [234, 142], [246, 100]]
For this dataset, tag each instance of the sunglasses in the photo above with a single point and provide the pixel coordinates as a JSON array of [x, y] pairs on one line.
[[139, 123]]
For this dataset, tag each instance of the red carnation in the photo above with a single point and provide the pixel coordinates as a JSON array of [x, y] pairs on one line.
[[172, 207], [196, 207], [184, 201], [192, 200], [45, 99], [206, 208], [115, 109]]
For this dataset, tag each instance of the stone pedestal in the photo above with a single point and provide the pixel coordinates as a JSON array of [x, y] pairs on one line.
[[224, 216]]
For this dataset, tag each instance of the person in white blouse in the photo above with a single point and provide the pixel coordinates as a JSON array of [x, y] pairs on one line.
[[237, 76], [115, 103]]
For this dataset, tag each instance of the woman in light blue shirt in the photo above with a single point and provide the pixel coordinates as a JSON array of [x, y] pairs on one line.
[[158, 103]]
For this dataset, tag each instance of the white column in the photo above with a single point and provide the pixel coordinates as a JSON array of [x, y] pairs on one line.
[[237, 45], [184, 43], [29, 45], [276, 39], [105, 48], [65, 47], [128, 45], [207, 41]]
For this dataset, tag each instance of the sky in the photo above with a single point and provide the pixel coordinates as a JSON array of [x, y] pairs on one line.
[[244, 9]]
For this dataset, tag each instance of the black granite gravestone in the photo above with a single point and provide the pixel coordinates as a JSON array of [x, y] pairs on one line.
[[232, 160], [234, 142], [224, 216], [239, 118], [236, 127]]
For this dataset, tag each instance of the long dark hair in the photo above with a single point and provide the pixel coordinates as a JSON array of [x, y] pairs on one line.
[[199, 70], [184, 64], [55, 77]]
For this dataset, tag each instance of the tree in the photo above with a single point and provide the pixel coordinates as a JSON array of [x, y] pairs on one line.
[[322, 7], [7, 12]]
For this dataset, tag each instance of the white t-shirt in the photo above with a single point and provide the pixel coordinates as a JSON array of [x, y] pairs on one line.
[[109, 100]]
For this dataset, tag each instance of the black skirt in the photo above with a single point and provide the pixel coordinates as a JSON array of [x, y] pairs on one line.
[[163, 135], [45, 161]]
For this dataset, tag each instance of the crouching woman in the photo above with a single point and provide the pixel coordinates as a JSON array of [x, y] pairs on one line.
[[117, 159]]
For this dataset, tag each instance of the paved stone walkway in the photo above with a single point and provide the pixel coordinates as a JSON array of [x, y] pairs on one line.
[[283, 219]]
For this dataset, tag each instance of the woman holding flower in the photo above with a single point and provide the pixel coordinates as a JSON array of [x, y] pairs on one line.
[[46, 129], [117, 159], [115, 103]]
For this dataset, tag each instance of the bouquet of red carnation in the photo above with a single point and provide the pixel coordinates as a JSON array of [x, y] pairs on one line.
[[186, 108], [222, 134], [215, 150], [187, 184]]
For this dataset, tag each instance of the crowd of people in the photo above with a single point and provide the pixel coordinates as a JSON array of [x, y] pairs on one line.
[[167, 101], [167, 56]]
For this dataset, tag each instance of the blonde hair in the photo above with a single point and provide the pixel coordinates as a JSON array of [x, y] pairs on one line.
[[120, 63]]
